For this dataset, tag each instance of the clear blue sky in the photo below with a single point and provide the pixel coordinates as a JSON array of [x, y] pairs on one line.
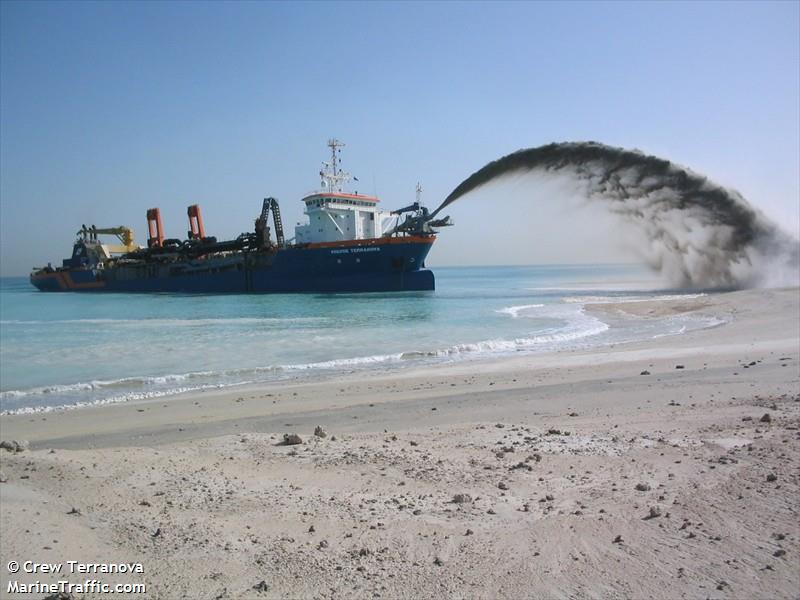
[[107, 109]]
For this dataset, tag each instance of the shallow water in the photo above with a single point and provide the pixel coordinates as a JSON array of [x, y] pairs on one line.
[[74, 349]]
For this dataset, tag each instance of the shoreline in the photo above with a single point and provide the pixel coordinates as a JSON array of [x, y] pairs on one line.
[[505, 478], [274, 401], [158, 385]]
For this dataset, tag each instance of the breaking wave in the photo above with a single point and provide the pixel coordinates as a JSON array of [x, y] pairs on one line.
[[515, 311], [130, 397], [103, 384]]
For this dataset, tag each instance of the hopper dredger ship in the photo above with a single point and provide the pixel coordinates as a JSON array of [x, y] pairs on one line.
[[348, 245]]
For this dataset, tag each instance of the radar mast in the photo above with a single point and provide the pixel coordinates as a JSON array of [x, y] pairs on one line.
[[332, 175]]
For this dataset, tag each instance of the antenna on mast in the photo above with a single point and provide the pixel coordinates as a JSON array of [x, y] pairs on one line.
[[334, 145], [332, 175], [419, 192]]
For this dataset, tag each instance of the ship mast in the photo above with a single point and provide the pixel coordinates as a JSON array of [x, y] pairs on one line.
[[334, 145], [333, 178]]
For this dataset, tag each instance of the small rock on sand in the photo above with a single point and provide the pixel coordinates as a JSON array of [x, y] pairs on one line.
[[617, 540], [772, 477], [642, 487], [261, 586], [502, 485], [655, 511], [14, 445], [320, 432], [462, 499], [645, 372], [767, 418], [3, 477], [291, 439]]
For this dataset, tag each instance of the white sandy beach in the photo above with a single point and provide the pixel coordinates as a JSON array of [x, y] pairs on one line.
[[504, 479]]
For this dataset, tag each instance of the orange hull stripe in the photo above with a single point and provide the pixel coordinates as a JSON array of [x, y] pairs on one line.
[[65, 282]]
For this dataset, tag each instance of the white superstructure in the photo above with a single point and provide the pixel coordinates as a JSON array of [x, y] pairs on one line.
[[335, 215]]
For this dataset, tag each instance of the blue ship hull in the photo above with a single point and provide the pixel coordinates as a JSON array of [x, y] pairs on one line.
[[377, 265]]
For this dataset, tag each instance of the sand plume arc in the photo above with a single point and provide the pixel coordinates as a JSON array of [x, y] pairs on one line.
[[697, 233]]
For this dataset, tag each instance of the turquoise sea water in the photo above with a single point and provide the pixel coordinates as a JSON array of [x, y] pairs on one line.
[[73, 349]]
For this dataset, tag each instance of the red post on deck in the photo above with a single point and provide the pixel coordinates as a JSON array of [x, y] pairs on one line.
[[155, 228], [197, 231]]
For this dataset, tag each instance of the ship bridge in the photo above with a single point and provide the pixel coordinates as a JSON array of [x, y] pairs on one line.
[[335, 215]]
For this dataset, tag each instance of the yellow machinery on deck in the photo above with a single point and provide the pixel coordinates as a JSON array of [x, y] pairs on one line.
[[124, 235]]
